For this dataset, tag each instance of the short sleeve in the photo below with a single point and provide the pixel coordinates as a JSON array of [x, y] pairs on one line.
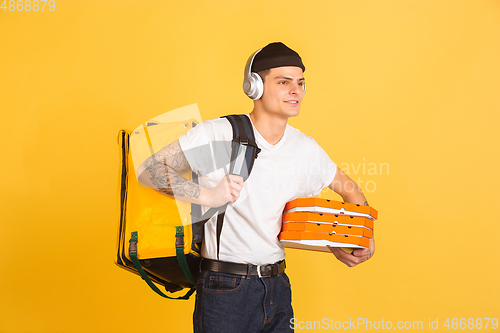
[[195, 145], [207, 146], [322, 171]]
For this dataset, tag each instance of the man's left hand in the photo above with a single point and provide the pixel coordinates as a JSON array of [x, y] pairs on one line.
[[356, 257]]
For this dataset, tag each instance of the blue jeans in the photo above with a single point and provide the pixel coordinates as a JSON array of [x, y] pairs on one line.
[[227, 303]]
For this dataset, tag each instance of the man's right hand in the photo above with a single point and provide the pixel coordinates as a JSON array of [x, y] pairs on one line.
[[228, 190]]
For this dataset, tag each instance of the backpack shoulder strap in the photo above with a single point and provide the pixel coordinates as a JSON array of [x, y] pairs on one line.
[[244, 149]]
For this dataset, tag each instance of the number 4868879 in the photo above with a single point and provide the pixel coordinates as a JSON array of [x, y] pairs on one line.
[[27, 5]]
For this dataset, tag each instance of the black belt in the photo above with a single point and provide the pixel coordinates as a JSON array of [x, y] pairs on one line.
[[243, 269]]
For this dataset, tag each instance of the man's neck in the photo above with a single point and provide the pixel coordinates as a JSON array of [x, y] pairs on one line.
[[271, 128]]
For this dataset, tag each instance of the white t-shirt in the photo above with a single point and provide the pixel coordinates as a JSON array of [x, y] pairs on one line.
[[294, 167]]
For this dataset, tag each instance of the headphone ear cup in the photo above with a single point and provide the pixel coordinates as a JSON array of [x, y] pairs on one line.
[[247, 86], [252, 83], [253, 86], [257, 85]]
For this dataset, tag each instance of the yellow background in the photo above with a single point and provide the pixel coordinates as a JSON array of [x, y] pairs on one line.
[[410, 85]]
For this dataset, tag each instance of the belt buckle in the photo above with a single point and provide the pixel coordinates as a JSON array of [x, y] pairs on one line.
[[264, 270], [258, 271]]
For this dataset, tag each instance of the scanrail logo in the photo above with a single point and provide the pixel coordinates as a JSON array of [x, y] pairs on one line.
[[353, 324], [365, 324], [360, 173]]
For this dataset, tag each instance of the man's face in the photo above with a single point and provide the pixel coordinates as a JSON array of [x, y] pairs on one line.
[[283, 91]]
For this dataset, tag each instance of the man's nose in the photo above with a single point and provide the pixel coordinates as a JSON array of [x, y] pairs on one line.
[[295, 89]]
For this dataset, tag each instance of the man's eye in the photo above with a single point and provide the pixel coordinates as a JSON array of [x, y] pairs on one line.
[[282, 82]]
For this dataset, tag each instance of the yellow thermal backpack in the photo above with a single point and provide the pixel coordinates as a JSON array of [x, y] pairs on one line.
[[159, 237]]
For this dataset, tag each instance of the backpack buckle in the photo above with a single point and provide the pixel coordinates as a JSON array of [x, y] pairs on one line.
[[179, 236]]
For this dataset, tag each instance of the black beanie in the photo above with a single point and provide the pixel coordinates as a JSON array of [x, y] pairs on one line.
[[276, 55]]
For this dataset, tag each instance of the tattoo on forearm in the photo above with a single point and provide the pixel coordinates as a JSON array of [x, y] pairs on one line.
[[366, 203], [164, 177], [177, 160], [179, 186]]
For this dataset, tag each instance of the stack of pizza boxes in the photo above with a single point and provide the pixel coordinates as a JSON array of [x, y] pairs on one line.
[[314, 223]]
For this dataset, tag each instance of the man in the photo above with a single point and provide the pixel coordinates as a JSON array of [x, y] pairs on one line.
[[248, 290]]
